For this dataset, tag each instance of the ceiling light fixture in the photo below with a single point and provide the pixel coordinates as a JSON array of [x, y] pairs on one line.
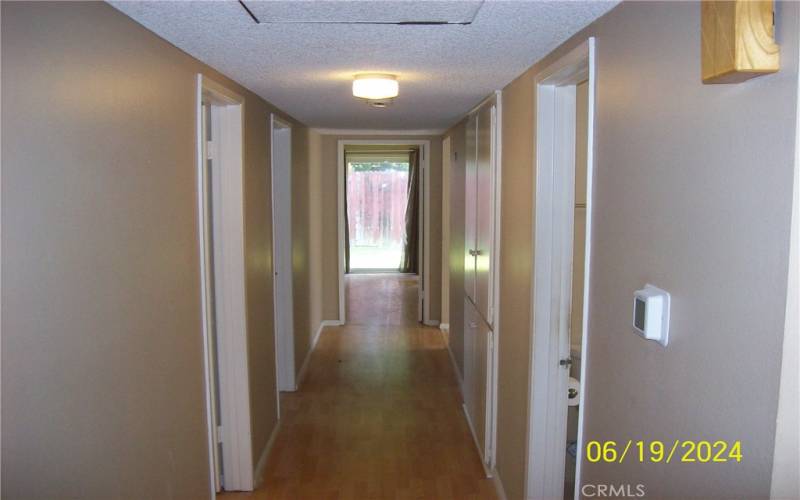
[[375, 87]]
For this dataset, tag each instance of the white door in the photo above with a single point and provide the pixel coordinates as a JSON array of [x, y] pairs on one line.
[[282, 252], [478, 387], [484, 203], [470, 204]]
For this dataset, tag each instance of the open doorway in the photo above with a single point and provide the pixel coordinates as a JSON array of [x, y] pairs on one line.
[[562, 236], [382, 210], [222, 269], [383, 214]]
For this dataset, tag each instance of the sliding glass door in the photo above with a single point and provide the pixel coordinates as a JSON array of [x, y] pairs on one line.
[[377, 198]]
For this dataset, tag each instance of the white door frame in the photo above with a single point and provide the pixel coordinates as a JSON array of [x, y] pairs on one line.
[[552, 274], [229, 290], [424, 229], [284, 316], [497, 178], [447, 161]]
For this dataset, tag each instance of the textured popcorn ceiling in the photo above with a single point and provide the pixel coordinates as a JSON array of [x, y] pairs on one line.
[[380, 11], [304, 54]]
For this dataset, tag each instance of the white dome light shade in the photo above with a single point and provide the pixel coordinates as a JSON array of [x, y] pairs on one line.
[[375, 86]]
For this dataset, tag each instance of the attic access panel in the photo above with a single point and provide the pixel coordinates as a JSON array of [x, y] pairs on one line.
[[430, 12]]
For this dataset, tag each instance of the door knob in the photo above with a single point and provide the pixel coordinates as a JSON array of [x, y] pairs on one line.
[[565, 362]]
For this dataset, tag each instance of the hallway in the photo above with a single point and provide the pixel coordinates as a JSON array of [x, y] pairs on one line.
[[206, 206], [378, 414]]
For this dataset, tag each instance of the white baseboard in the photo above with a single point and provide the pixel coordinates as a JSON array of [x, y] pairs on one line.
[[258, 475], [430, 322], [486, 470], [498, 486], [445, 327], [302, 373]]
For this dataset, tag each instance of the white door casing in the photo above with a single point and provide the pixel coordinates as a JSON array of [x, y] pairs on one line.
[[552, 270], [221, 197]]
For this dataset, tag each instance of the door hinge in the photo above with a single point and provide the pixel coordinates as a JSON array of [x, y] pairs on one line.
[[219, 434], [210, 150]]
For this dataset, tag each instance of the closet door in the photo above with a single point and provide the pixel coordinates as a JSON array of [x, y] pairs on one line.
[[482, 389], [485, 210], [478, 391], [470, 207], [471, 321]]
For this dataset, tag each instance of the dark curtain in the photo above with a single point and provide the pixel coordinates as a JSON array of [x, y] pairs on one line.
[[410, 263], [346, 223]]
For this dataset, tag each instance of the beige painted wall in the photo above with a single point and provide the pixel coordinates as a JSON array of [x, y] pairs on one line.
[[329, 205], [100, 287], [516, 263], [786, 464], [455, 261], [692, 193], [306, 247]]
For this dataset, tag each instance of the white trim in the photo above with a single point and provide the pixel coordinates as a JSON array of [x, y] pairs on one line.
[[230, 290], [340, 228], [284, 337], [208, 362], [495, 284], [431, 322], [590, 109], [445, 327], [488, 472], [553, 212], [262, 460], [425, 150], [498, 486], [350, 131]]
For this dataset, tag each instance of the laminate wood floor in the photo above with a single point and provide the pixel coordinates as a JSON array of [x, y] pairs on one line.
[[378, 415]]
